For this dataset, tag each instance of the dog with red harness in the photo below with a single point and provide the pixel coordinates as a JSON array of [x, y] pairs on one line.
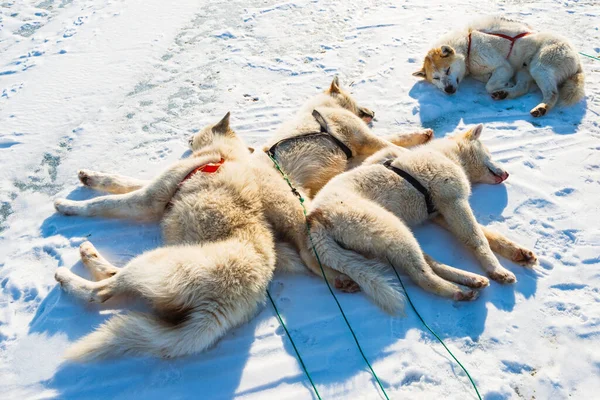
[[508, 56]]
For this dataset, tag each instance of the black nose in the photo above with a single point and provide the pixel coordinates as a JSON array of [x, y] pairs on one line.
[[449, 89]]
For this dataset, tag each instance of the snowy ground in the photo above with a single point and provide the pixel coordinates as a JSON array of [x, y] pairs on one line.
[[120, 85]]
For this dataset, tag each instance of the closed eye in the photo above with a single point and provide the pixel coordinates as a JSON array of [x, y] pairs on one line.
[[436, 78], [448, 71]]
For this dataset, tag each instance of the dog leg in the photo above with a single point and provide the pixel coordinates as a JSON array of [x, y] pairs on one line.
[[93, 292], [147, 203], [410, 139], [381, 234], [457, 275], [461, 221], [111, 183], [521, 87], [98, 266], [544, 78], [500, 78], [501, 245], [335, 278]]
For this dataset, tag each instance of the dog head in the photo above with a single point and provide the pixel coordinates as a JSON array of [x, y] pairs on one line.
[[343, 99], [476, 158], [219, 138], [444, 68]]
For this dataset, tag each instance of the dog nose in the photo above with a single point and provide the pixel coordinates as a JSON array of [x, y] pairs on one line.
[[504, 176], [191, 140], [449, 89]]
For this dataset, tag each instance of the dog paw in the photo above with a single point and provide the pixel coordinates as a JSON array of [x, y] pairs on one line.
[[65, 207], [502, 276], [61, 275], [467, 295], [479, 282], [429, 134], [345, 284], [87, 251], [84, 177], [524, 257], [499, 95], [539, 111]]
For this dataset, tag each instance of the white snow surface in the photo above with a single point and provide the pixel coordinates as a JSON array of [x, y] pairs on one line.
[[120, 85]]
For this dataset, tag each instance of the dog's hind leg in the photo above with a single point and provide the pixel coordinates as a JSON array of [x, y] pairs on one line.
[[546, 81], [98, 266], [147, 203], [111, 183], [521, 87], [93, 292], [410, 139], [457, 275], [501, 245], [461, 221]]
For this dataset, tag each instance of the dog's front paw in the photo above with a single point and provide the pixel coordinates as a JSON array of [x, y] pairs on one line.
[[345, 284], [87, 251], [429, 134], [502, 275], [85, 177], [466, 295], [524, 257], [539, 111], [478, 282], [499, 95], [65, 207]]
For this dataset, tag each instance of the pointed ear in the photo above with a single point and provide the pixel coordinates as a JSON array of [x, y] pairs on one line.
[[446, 51], [421, 73], [222, 126], [251, 149], [475, 133], [335, 85]]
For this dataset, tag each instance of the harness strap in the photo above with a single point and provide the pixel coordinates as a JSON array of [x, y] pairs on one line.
[[323, 132], [415, 183], [512, 40], [208, 168]]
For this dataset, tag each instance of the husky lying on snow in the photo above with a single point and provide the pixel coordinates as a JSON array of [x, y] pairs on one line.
[[218, 209], [507, 55], [360, 219]]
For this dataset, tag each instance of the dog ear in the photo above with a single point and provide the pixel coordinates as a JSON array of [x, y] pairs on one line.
[[446, 51], [421, 73], [474, 133], [251, 149], [222, 126], [335, 85]]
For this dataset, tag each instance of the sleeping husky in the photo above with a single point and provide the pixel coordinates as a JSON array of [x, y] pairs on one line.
[[360, 220], [508, 56]]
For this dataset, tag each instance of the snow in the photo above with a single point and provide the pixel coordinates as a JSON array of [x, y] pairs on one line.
[[119, 86]]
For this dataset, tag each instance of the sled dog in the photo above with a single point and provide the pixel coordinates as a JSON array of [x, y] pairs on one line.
[[360, 220], [508, 56], [218, 209]]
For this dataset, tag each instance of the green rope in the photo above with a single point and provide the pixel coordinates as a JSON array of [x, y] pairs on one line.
[[294, 346], [592, 57], [432, 332], [287, 179]]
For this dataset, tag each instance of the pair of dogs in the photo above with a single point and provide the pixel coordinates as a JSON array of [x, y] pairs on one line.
[[229, 220]]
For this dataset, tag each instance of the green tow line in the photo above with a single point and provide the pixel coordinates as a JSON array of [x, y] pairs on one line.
[[287, 179], [592, 57]]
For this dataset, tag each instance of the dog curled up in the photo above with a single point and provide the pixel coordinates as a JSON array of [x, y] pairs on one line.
[[508, 56], [360, 220], [218, 210]]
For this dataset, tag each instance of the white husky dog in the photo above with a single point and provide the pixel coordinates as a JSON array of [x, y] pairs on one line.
[[509, 56], [217, 210], [360, 220]]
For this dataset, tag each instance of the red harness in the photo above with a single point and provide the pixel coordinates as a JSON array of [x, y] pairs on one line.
[[510, 38], [208, 168]]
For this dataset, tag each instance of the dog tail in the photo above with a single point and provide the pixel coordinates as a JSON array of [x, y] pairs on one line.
[[368, 274], [571, 90], [145, 334]]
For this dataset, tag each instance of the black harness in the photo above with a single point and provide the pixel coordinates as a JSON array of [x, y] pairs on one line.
[[416, 184], [324, 132]]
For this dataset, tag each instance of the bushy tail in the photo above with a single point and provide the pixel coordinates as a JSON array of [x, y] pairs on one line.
[[145, 334], [369, 274], [571, 91]]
